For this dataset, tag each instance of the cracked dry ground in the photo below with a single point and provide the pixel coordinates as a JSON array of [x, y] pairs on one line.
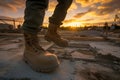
[[82, 60]]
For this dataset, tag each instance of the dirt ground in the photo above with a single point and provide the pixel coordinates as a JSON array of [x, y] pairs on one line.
[[88, 57]]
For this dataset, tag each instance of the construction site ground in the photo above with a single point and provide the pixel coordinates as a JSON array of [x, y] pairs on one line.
[[89, 56]]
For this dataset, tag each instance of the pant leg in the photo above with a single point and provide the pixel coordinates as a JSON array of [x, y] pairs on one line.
[[60, 11], [34, 15]]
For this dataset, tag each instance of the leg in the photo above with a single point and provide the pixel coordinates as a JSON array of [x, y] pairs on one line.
[[60, 12], [55, 22], [34, 54], [34, 14]]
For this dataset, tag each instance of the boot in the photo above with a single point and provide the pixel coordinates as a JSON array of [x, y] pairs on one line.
[[52, 35], [37, 57]]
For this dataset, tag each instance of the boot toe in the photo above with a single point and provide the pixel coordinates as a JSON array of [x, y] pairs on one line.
[[48, 63]]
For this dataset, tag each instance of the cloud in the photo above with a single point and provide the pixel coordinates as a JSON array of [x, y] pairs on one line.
[[101, 7], [77, 20], [69, 20], [87, 20], [11, 5], [79, 15], [108, 8], [86, 3], [98, 10]]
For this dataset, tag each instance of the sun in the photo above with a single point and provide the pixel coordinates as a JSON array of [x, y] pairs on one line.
[[74, 24]]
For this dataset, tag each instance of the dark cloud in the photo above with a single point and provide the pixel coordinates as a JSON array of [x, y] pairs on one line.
[[108, 8], [11, 5], [79, 15], [101, 7]]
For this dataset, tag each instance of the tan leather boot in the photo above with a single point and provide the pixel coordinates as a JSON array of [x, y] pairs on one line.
[[52, 35], [37, 57]]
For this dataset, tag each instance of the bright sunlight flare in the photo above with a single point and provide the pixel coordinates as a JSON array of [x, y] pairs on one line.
[[74, 24]]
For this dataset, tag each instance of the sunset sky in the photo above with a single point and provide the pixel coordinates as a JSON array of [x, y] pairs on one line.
[[81, 12]]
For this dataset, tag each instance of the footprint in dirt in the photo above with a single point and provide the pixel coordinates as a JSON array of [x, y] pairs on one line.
[[99, 75]]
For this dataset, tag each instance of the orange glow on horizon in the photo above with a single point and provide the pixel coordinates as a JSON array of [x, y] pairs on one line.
[[73, 24]]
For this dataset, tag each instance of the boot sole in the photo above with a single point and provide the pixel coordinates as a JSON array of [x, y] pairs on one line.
[[48, 70], [49, 40]]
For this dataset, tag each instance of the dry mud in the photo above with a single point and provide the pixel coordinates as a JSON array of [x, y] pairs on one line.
[[81, 60]]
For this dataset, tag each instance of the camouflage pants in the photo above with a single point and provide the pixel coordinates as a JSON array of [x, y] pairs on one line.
[[35, 11]]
